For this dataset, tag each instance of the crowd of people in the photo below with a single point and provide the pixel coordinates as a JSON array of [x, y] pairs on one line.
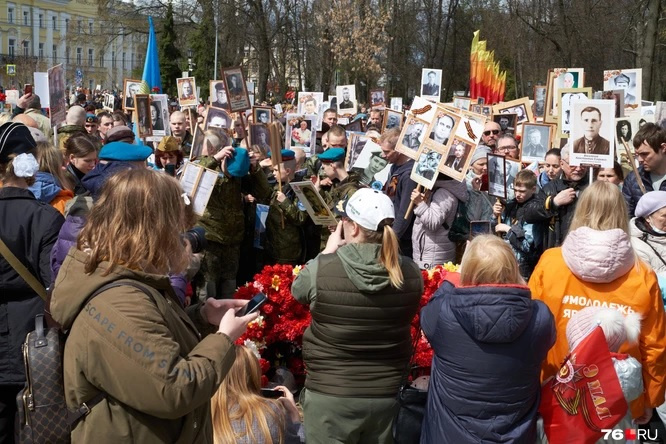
[[144, 286]]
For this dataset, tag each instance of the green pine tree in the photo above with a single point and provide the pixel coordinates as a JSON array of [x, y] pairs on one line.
[[202, 42], [169, 54]]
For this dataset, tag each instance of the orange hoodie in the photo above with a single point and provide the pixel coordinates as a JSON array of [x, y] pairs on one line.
[[598, 268]]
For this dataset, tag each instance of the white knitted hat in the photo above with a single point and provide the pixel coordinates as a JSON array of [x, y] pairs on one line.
[[617, 328]]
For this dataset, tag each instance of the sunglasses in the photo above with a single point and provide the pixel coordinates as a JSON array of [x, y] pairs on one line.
[[494, 132]]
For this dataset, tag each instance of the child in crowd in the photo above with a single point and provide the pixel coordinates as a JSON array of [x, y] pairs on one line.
[[524, 238], [284, 232]]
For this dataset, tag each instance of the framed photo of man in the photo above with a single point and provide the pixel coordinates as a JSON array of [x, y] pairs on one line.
[[507, 122], [431, 84], [144, 126], [130, 88], [521, 107], [237, 95], [354, 125], [314, 204], [463, 103], [411, 137], [536, 141], [197, 143], [561, 78], [109, 101], [458, 159], [218, 118], [262, 114], [346, 95], [377, 98], [355, 144], [539, 107], [308, 102], [425, 170], [218, 95], [371, 166], [566, 97], [497, 176], [441, 129], [260, 138], [631, 82], [187, 91], [392, 119], [396, 103], [300, 133], [593, 133]]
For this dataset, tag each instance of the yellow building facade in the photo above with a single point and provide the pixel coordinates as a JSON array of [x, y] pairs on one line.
[[94, 48]]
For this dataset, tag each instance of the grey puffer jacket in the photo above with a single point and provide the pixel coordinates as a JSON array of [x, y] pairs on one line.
[[648, 244], [430, 236]]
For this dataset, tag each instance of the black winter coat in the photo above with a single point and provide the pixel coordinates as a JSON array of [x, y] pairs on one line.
[[632, 191], [29, 228], [555, 220]]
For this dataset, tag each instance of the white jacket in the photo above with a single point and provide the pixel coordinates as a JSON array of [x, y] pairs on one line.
[[644, 242]]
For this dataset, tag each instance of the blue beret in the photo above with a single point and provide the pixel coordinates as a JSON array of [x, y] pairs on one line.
[[288, 155], [332, 155], [123, 151], [91, 118], [239, 164]]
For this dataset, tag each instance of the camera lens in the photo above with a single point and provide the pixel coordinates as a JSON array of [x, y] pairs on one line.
[[197, 238]]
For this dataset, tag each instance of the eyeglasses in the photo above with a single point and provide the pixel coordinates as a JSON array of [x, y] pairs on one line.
[[507, 148], [494, 132]]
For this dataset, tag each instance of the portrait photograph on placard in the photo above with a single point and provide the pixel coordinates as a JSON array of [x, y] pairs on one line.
[[262, 114], [623, 130], [346, 95], [425, 169], [218, 118], [392, 119], [371, 167], [497, 176], [507, 122], [431, 84], [354, 125], [355, 144], [237, 95], [561, 78], [314, 204], [300, 132], [197, 143], [144, 127], [308, 102], [396, 103], [159, 114], [187, 91], [441, 129], [218, 94], [566, 97], [130, 88], [260, 137], [109, 102], [463, 103], [535, 142], [521, 107], [593, 133], [377, 98], [616, 95], [629, 81], [539, 100], [512, 168], [457, 161], [411, 137]]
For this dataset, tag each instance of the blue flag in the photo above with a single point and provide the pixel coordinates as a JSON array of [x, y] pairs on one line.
[[151, 69]]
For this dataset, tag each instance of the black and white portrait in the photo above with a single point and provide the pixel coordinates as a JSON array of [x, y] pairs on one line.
[[131, 88], [497, 176], [260, 137], [535, 142], [425, 168], [392, 119], [187, 91], [627, 80], [539, 100], [412, 136], [355, 146], [457, 158], [593, 133], [143, 114], [218, 94], [346, 95], [159, 114], [377, 98], [431, 83], [396, 103], [507, 122], [371, 165], [237, 95], [262, 114], [218, 118], [568, 96], [441, 130]]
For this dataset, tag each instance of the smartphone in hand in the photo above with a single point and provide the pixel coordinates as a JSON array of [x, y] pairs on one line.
[[271, 393], [27, 89], [253, 305]]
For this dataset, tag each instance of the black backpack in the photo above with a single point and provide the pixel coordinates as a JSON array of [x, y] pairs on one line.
[[43, 416], [459, 230]]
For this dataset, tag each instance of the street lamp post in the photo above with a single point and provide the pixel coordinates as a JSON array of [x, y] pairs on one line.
[[190, 65]]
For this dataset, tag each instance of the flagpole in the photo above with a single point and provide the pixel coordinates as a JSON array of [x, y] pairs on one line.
[[217, 24]]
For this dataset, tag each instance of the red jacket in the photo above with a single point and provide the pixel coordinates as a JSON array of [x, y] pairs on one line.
[[598, 268]]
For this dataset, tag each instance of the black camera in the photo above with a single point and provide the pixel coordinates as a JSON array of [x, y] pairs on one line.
[[197, 239]]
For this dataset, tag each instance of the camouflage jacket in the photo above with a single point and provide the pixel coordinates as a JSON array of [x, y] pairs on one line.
[[284, 232]]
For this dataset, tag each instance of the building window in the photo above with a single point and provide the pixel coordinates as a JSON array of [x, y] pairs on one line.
[[26, 48], [78, 26], [41, 50], [79, 53], [90, 57], [10, 15], [123, 61], [90, 28], [55, 53], [101, 59], [26, 18], [41, 20], [12, 47]]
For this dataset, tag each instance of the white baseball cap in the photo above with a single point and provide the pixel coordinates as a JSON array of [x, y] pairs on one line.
[[368, 208]]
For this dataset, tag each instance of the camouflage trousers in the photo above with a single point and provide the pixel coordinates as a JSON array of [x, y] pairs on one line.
[[219, 267]]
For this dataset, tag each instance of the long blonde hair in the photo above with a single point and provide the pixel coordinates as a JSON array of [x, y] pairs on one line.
[[147, 235], [389, 256], [51, 160], [489, 260], [601, 207], [238, 399]]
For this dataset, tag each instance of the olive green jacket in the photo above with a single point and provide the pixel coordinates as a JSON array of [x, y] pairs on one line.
[[284, 232], [145, 353]]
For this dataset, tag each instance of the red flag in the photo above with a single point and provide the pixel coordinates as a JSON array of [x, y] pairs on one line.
[[585, 396]]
